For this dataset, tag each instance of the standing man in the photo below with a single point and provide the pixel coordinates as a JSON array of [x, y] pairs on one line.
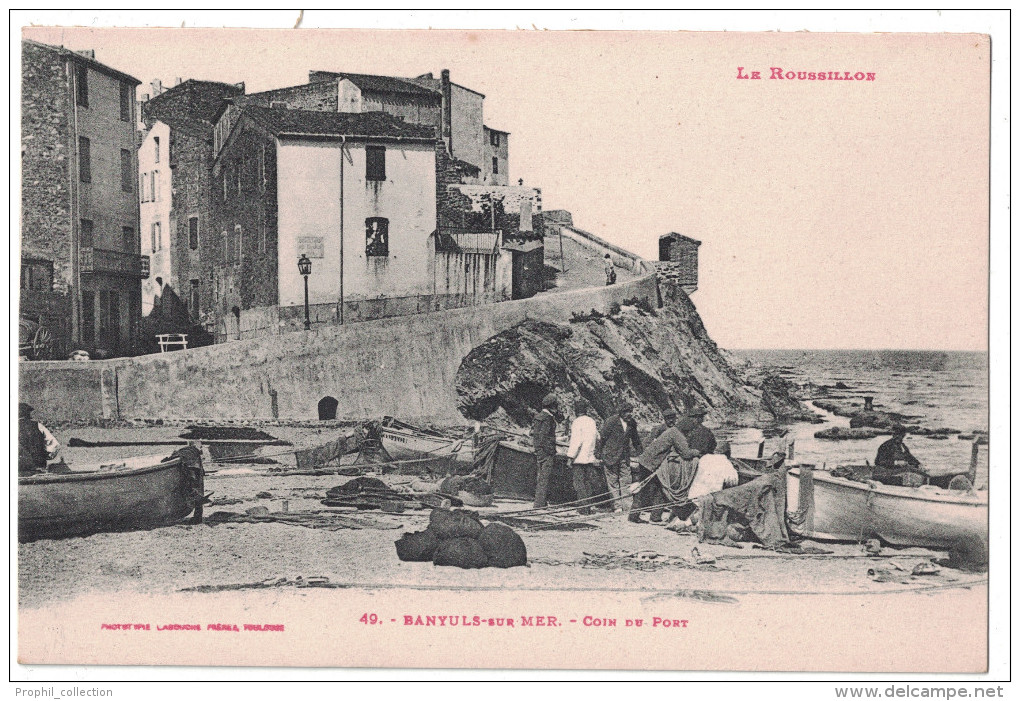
[[581, 456], [669, 419], [651, 498], [36, 445], [618, 436], [610, 270], [543, 437], [699, 437]]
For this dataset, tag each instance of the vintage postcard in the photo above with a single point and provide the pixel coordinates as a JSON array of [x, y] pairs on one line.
[[606, 350]]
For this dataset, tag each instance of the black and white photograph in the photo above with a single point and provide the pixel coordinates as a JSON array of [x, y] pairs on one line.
[[509, 348]]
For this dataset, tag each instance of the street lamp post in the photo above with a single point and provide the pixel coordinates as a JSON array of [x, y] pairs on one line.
[[304, 265]]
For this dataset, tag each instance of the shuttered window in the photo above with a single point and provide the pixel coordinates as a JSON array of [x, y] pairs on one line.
[[375, 162], [84, 159]]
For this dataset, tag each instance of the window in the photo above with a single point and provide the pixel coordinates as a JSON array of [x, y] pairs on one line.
[[125, 102], [81, 85], [88, 317], [155, 148], [237, 243], [193, 233], [84, 159], [157, 236], [494, 138], [127, 171], [153, 182], [226, 246], [109, 317], [127, 238], [37, 275], [375, 162], [193, 300], [377, 236], [141, 186], [495, 165], [262, 167], [85, 236]]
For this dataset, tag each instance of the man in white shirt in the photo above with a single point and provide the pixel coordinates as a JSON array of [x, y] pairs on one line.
[[581, 456], [715, 471]]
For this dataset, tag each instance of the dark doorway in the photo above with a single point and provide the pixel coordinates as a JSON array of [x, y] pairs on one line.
[[327, 408]]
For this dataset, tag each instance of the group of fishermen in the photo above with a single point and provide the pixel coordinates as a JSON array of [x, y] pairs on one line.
[[602, 459]]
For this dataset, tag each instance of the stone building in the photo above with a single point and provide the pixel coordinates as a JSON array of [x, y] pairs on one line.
[[81, 267], [175, 190], [457, 112], [355, 192], [683, 251]]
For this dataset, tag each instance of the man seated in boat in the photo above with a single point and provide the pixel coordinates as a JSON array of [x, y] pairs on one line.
[[36, 445], [894, 462]]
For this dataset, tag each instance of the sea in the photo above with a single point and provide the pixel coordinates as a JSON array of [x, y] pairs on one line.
[[938, 389]]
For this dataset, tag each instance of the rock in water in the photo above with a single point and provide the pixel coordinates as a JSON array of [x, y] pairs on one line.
[[502, 546], [466, 553], [417, 547]]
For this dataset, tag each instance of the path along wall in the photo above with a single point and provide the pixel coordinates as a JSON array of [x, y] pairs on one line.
[[403, 366]]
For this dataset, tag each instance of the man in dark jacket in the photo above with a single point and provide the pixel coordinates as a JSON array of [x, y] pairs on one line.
[[543, 437], [894, 460], [699, 437], [32, 451], [618, 435]]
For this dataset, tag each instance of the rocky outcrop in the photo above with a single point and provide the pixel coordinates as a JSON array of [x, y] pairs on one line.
[[655, 359]]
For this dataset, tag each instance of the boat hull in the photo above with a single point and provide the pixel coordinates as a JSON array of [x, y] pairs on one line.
[[162, 494], [841, 509]]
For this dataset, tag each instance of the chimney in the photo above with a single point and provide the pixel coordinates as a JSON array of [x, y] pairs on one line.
[[240, 86], [447, 109], [525, 215], [178, 81], [87, 53], [157, 86]]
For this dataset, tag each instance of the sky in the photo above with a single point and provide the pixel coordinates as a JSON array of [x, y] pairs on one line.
[[832, 214]]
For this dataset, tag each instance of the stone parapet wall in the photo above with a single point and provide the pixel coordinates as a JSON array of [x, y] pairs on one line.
[[405, 366]]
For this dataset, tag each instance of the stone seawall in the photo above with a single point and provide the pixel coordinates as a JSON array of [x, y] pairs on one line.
[[404, 366]]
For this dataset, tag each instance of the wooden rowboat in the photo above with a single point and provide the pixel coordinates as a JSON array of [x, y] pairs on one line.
[[406, 442], [135, 494], [834, 508]]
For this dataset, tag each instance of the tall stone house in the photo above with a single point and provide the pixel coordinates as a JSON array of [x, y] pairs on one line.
[[176, 188], [81, 265], [421, 176], [354, 192]]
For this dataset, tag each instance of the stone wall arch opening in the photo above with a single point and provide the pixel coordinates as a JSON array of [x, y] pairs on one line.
[[327, 408]]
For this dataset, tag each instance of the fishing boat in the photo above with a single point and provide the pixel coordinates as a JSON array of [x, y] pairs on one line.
[[836, 508], [406, 442], [137, 493], [510, 467]]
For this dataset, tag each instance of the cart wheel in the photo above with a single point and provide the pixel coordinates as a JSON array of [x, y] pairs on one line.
[[42, 344]]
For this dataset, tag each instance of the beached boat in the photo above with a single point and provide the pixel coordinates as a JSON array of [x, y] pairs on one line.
[[406, 442], [137, 493], [835, 508], [513, 473]]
